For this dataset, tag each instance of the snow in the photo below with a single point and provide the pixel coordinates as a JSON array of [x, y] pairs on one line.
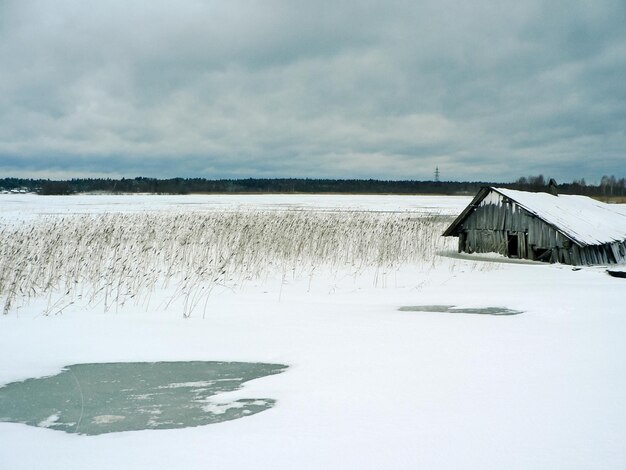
[[368, 386], [49, 421], [29, 206], [106, 419], [584, 220]]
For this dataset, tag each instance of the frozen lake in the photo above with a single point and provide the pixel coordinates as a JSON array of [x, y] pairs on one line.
[[26, 206], [369, 385]]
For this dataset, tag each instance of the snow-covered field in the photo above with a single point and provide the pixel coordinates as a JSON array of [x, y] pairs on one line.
[[27, 206], [369, 386]]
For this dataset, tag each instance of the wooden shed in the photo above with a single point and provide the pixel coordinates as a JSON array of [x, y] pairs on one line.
[[574, 230]]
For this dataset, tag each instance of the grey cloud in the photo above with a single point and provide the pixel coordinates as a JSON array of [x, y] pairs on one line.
[[485, 90]]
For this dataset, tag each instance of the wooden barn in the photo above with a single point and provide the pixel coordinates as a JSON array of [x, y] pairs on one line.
[[574, 230]]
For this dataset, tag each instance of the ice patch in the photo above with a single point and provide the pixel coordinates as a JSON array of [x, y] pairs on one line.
[[453, 309], [134, 396]]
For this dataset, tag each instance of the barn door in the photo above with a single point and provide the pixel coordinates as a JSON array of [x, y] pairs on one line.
[[523, 246], [512, 244]]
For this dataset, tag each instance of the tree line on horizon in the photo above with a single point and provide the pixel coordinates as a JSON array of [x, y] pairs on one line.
[[609, 186]]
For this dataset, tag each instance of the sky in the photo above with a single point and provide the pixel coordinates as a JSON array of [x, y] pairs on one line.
[[483, 90]]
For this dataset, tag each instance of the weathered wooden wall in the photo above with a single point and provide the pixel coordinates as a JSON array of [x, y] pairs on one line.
[[609, 253], [488, 227]]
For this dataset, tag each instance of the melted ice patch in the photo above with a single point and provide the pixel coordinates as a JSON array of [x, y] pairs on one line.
[[113, 397], [453, 309]]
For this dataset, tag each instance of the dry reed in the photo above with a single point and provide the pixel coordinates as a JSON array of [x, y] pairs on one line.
[[115, 258]]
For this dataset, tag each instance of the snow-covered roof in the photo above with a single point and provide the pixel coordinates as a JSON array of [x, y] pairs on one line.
[[580, 218], [584, 220]]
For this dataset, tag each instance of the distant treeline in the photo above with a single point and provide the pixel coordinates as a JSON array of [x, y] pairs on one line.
[[609, 186]]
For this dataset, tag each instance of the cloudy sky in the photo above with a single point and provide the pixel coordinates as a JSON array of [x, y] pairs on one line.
[[486, 90]]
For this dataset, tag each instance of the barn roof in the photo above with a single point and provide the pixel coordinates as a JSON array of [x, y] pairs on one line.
[[580, 218]]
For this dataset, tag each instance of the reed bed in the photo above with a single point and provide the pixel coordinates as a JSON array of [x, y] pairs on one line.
[[115, 258]]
